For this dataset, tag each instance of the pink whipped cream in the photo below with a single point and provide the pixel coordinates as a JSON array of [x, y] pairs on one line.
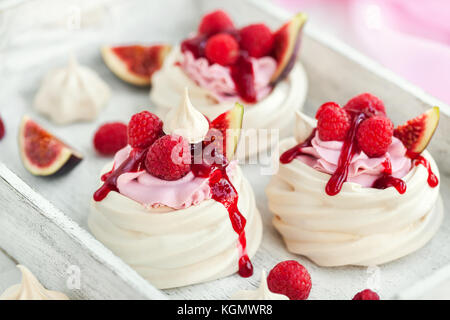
[[154, 192], [217, 78], [324, 155]]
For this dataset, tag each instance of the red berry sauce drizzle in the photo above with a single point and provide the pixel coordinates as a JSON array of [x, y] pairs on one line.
[[134, 163], [387, 180], [241, 71], [349, 149], [432, 180], [222, 190], [293, 152]]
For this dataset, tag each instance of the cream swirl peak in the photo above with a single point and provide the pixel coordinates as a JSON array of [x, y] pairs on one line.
[[186, 121], [262, 293], [30, 289]]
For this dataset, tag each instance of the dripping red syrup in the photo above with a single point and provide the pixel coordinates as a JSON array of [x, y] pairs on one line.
[[349, 149], [387, 180], [418, 159], [297, 150], [222, 190], [387, 166], [241, 71], [134, 163]]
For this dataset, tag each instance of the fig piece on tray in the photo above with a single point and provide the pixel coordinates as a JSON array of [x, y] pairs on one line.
[[42, 153], [286, 44], [417, 133], [135, 64]]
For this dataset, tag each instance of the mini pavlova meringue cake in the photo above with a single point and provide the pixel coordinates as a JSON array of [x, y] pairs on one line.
[[222, 64], [352, 190], [30, 289], [174, 204]]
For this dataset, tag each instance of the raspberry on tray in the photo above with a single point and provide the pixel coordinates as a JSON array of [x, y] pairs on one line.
[[291, 279], [110, 138]]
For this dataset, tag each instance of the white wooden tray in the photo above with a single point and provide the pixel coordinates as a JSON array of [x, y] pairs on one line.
[[43, 220]]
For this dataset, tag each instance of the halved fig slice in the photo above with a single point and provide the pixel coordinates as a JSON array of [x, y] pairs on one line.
[[42, 153], [417, 133], [229, 124], [135, 64], [286, 44]]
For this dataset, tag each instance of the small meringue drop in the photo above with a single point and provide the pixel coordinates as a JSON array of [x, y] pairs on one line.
[[30, 289], [186, 121], [70, 94], [262, 293]]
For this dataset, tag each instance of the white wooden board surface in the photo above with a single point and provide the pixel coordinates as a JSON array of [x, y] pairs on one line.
[[9, 274], [335, 73], [60, 253]]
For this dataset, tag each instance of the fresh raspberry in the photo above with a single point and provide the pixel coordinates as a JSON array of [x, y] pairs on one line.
[[257, 39], [143, 129], [366, 294], [214, 22], [367, 103], [222, 49], [110, 138], [2, 129], [374, 136], [291, 279], [325, 106], [169, 158], [333, 122]]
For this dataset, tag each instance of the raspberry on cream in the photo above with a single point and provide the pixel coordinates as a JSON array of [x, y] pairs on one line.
[[252, 65], [275, 111], [217, 78], [324, 155], [153, 192]]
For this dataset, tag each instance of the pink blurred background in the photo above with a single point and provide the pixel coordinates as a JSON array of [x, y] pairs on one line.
[[410, 37]]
